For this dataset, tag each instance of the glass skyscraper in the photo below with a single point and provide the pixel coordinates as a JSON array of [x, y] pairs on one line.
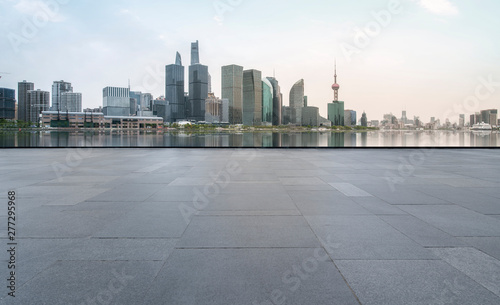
[[116, 101], [336, 113], [297, 102], [7, 103], [267, 101], [70, 102], [232, 89], [252, 98], [277, 102], [174, 91], [198, 86]]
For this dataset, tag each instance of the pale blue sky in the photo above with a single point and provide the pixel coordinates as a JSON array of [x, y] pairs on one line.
[[427, 59]]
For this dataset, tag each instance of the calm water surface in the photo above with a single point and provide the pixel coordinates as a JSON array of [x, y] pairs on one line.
[[257, 139]]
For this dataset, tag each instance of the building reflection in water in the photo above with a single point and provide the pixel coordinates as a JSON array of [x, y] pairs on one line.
[[258, 139]]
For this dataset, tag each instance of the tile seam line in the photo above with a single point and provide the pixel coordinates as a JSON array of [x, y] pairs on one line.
[[332, 260], [465, 274]]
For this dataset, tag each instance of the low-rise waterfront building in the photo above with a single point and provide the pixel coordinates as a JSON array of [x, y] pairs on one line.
[[58, 119]]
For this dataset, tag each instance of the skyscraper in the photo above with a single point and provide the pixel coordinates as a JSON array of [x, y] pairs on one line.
[[297, 102], [364, 120], [336, 113], [7, 103], [195, 53], [232, 89], [70, 102], [252, 97], [38, 101], [23, 100], [58, 88], [198, 86], [116, 101], [267, 101], [350, 118], [277, 102], [174, 91]]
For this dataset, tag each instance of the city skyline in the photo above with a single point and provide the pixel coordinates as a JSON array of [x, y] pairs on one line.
[[428, 58]]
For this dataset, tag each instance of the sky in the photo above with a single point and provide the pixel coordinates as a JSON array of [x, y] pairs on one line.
[[432, 58]]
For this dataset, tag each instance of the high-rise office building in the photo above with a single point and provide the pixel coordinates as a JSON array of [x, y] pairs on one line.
[[310, 116], [350, 118], [297, 102], [7, 103], [232, 90], [489, 116], [70, 102], [267, 101], [58, 88], [38, 101], [364, 120], [336, 108], [461, 120], [277, 102], [404, 118], [23, 100], [195, 53], [198, 86], [252, 97], [174, 91], [116, 101]]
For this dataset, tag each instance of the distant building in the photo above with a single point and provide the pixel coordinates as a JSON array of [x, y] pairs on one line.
[[286, 115], [198, 86], [461, 121], [350, 118], [232, 90], [364, 120], [23, 100], [277, 102], [489, 116], [58, 88], [404, 118], [472, 120], [310, 116], [478, 118], [252, 98], [336, 113], [7, 103], [174, 90], [297, 102], [94, 110], [116, 101], [59, 119], [133, 107], [70, 101], [162, 109], [216, 109], [38, 101], [267, 101]]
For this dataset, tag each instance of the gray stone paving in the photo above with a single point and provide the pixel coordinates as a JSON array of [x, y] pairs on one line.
[[259, 227]]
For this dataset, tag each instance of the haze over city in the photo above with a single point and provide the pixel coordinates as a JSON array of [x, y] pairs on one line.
[[422, 56]]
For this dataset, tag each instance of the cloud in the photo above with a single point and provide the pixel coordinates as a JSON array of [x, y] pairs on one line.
[[439, 7]]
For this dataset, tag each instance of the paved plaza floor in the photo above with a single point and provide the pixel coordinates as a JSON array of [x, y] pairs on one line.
[[257, 227]]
